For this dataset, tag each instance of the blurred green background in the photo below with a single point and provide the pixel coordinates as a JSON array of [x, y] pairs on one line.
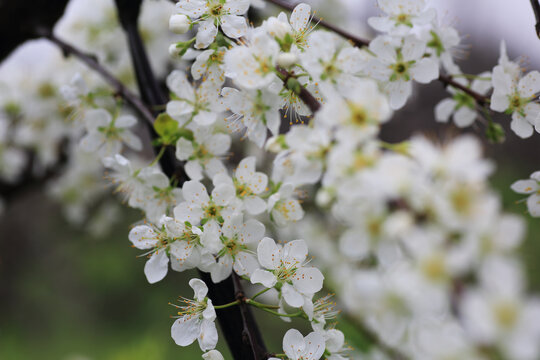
[[69, 296]]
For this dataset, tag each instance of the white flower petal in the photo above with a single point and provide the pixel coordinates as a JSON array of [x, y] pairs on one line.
[[266, 278], [234, 26], [292, 296], [268, 253], [300, 16], [185, 330], [308, 280], [156, 267], [143, 237]]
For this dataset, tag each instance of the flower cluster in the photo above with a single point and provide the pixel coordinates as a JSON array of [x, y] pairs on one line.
[[409, 235]]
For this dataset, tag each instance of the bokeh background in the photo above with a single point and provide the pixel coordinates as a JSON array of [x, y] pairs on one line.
[[71, 295]]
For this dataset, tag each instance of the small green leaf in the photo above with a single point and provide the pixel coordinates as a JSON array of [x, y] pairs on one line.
[[165, 124]]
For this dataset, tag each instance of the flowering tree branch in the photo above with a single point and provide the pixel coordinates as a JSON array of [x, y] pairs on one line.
[[445, 79], [91, 61], [238, 324], [356, 40]]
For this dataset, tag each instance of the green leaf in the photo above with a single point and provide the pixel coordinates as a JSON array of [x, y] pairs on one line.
[[168, 130], [165, 124]]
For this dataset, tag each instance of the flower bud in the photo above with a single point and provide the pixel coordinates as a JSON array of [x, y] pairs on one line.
[[174, 51], [277, 28], [286, 60], [324, 197], [179, 24]]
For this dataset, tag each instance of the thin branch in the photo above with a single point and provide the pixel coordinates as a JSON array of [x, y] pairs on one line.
[[536, 8], [312, 103], [355, 39], [479, 98], [91, 61]]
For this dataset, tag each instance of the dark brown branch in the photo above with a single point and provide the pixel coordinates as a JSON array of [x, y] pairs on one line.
[[91, 61], [149, 88], [237, 323], [536, 9], [312, 103], [479, 98], [355, 39]]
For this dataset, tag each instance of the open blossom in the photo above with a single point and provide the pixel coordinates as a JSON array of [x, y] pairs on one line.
[[402, 15], [235, 248], [498, 313], [199, 104], [106, 135], [442, 42], [358, 114], [284, 208], [461, 106], [199, 207], [285, 267], [297, 347], [204, 153], [196, 319], [530, 187], [254, 110], [397, 64], [247, 184], [332, 62], [253, 66], [516, 96], [213, 13], [209, 65], [147, 189], [167, 239], [294, 32]]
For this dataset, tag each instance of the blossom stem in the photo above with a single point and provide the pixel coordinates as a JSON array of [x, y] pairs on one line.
[[259, 293], [224, 306], [158, 156], [296, 314], [261, 305]]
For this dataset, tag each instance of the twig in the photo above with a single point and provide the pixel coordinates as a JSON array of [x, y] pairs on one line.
[[91, 61], [536, 8], [479, 98], [312, 103]]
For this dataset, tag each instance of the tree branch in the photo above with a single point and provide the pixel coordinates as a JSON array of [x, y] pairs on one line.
[[536, 8], [312, 103], [91, 61], [237, 323], [479, 98]]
